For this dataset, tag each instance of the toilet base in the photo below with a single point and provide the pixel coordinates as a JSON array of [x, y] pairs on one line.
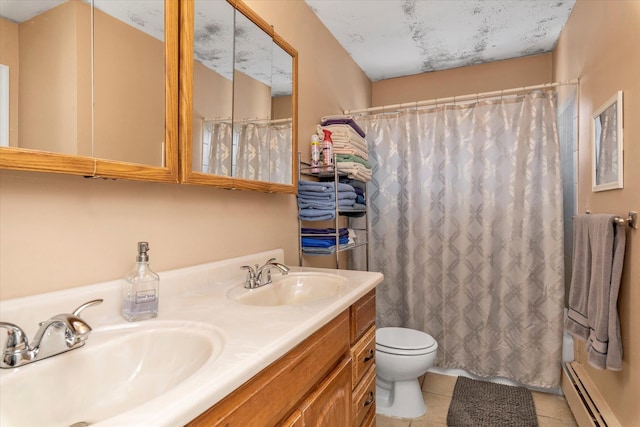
[[399, 399]]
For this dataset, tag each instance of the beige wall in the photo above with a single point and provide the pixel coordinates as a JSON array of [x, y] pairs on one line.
[[510, 73], [48, 80], [600, 45], [64, 231], [129, 107]]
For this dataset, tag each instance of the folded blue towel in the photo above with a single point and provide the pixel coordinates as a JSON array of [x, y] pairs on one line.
[[357, 185], [355, 207], [360, 200], [326, 196], [322, 242], [344, 231], [323, 251], [322, 204], [317, 214], [322, 186]]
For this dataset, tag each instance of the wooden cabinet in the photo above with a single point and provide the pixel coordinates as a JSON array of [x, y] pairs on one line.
[[327, 380], [330, 404]]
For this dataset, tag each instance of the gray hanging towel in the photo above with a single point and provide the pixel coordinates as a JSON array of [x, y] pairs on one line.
[[604, 346], [598, 257], [577, 323]]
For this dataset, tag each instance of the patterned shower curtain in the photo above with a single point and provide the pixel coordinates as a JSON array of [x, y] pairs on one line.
[[466, 225], [220, 149], [264, 152]]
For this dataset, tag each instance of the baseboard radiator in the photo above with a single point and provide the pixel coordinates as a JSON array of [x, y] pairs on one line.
[[588, 407]]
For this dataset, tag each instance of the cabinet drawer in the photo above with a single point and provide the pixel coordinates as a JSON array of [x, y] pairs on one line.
[[363, 355], [369, 419], [363, 315], [364, 397]]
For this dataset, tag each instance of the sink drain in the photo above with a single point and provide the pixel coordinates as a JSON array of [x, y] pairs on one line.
[[80, 424]]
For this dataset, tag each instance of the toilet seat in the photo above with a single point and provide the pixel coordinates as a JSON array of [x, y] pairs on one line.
[[404, 341]]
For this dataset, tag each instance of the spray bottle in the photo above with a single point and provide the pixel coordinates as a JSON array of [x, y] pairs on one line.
[[315, 153], [327, 149]]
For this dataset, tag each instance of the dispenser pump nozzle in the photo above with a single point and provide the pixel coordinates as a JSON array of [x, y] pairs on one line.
[[143, 248]]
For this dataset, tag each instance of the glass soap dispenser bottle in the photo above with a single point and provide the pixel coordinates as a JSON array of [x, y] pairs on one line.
[[141, 289]]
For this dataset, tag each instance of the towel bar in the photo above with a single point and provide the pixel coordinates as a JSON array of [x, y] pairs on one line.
[[631, 220]]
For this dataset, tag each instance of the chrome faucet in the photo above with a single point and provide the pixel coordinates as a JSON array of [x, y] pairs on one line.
[[69, 327], [260, 276]]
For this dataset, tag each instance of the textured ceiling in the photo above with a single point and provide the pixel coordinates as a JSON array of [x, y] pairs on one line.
[[393, 38]]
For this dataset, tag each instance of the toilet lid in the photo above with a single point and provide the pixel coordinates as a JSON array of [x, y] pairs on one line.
[[404, 339]]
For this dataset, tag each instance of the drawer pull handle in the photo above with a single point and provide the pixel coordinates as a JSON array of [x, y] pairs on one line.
[[370, 400], [370, 356]]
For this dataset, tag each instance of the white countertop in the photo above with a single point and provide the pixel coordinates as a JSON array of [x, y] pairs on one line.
[[253, 336]]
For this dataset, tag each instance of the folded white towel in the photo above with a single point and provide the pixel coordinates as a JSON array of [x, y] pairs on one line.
[[336, 117], [345, 132], [350, 142], [355, 171]]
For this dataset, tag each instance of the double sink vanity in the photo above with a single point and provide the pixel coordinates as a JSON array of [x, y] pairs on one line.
[[298, 352]]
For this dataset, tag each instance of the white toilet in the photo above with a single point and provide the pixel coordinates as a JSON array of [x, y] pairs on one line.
[[402, 355]]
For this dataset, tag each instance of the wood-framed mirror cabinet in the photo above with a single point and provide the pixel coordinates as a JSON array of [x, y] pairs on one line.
[[249, 142], [81, 154]]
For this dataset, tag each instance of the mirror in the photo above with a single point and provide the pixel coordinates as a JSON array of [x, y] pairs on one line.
[[89, 93], [262, 118], [244, 137], [607, 145], [128, 81], [213, 87], [252, 100], [46, 55]]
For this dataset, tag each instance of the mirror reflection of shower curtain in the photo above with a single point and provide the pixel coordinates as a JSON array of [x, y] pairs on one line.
[[467, 228], [281, 152], [220, 149], [264, 152], [606, 138], [252, 161]]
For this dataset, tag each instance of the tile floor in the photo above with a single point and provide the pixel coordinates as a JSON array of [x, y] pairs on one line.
[[552, 409]]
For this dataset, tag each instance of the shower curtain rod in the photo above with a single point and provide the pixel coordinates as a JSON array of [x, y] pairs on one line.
[[216, 119], [273, 122], [228, 119], [454, 99]]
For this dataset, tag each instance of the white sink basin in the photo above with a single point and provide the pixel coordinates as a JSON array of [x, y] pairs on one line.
[[294, 289], [116, 371]]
